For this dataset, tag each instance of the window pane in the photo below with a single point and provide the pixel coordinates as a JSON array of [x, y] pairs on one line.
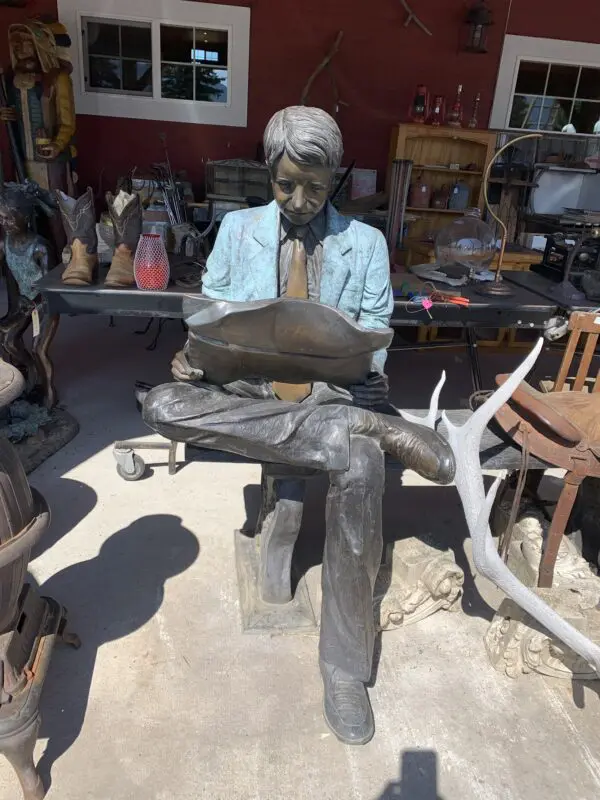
[[105, 73], [525, 112], [562, 80], [137, 76], [589, 84], [532, 77], [211, 47], [585, 116], [176, 44], [136, 42], [177, 82], [102, 39], [211, 85], [555, 113]]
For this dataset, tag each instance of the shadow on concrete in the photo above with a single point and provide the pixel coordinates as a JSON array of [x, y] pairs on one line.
[[108, 597], [418, 778], [71, 501]]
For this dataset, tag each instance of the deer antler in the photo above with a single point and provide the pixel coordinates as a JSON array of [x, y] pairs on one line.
[[465, 442], [430, 420]]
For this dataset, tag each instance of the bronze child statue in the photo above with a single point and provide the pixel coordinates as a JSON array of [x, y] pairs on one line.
[[27, 255], [300, 247]]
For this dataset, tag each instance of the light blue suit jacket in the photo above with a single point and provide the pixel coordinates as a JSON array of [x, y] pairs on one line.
[[355, 277]]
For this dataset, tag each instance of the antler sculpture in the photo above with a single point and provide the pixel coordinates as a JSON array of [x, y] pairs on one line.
[[465, 441]]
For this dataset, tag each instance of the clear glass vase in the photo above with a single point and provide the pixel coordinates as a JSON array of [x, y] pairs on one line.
[[467, 242]]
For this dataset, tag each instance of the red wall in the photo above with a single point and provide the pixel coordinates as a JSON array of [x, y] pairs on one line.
[[378, 66]]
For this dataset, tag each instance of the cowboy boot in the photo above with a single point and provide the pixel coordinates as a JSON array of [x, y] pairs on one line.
[[126, 214], [79, 222]]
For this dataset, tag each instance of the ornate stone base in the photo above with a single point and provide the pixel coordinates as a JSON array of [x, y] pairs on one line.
[[420, 580], [515, 643]]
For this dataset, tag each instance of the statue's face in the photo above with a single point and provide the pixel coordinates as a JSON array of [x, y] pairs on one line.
[[300, 191], [11, 221], [24, 51]]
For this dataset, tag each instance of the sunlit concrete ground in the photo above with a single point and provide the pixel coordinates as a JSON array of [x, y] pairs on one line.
[[167, 700]]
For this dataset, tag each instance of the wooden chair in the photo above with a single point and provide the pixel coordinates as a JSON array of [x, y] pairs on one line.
[[561, 427], [580, 323]]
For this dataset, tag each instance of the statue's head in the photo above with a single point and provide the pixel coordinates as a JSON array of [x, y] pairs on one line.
[[32, 47], [303, 149], [18, 202]]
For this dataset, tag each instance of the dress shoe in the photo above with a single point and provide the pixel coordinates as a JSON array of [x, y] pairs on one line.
[[415, 446], [346, 706]]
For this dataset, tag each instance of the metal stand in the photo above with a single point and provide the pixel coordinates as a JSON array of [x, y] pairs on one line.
[[25, 651]]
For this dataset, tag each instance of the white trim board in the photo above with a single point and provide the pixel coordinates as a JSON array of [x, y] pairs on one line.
[[236, 19], [531, 48]]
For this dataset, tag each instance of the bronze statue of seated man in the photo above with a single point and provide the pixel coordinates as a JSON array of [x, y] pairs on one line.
[[300, 247]]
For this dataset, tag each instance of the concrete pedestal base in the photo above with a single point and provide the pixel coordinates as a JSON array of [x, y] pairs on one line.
[[297, 616]]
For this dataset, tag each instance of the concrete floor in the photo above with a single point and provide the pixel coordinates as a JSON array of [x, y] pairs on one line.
[[167, 699]]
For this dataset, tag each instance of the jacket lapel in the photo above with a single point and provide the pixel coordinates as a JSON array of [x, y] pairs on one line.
[[262, 252], [337, 257]]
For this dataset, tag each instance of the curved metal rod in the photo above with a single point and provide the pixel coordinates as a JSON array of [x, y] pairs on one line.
[[486, 178]]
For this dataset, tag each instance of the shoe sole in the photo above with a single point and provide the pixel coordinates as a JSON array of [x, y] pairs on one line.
[[351, 742]]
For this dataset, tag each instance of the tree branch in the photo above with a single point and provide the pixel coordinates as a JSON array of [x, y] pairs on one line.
[[323, 65], [412, 17]]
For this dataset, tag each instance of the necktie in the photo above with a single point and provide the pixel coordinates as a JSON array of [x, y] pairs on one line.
[[297, 286]]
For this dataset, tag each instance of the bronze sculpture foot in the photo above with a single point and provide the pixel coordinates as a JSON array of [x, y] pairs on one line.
[[415, 446], [346, 706]]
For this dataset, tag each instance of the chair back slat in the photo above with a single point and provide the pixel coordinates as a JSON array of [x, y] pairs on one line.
[[580, 322], [567, 359], [586, 360]]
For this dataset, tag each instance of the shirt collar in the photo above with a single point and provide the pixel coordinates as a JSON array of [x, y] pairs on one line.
[[317, 226]]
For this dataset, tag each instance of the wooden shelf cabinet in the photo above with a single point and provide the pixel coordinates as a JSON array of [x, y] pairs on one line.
[[433, 151]]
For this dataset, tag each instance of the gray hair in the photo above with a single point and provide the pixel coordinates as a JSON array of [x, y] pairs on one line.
[[308, 136]]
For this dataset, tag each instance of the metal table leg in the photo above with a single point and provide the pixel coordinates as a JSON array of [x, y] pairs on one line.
[[473, 354]]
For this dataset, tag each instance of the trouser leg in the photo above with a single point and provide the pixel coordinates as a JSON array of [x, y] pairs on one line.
[[267, 430], [351, 560]]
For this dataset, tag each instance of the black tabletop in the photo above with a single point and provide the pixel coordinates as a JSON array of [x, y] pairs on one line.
[[546, 288], [525, 309]]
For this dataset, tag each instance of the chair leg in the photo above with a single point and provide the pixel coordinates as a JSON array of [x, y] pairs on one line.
[[279, 526], [562, 512], [18, 749]]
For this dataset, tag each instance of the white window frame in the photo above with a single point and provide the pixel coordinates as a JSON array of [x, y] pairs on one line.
[[234, 19], [531, 48]]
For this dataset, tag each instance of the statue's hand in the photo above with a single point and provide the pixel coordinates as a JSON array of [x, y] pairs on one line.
[[373, 392], [48, 151], [8, 114], [182, 371]]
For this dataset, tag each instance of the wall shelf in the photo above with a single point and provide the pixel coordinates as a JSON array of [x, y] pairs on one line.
[[430, 148], [434, 210], [446, 170]]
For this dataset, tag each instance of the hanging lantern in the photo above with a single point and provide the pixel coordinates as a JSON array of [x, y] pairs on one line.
[[478, 20]]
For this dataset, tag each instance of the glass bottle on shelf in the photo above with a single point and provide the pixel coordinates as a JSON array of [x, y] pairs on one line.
[[455, 115], [473, 122], [438, 109], [468, 241]]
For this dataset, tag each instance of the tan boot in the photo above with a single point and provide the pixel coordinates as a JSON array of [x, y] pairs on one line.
[[79, 222], [126, 214]]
